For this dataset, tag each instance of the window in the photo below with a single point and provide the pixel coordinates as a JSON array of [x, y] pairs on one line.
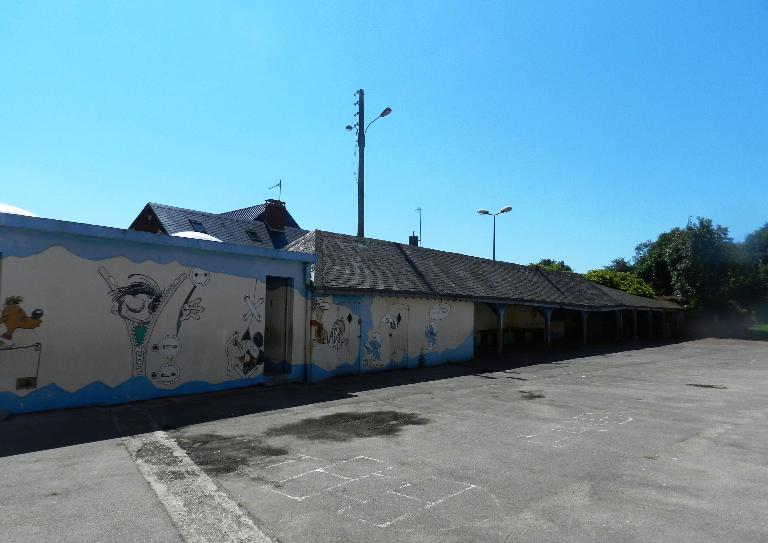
[[197, 226]]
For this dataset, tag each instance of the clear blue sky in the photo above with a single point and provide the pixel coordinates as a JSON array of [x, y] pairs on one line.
[[601, 123]]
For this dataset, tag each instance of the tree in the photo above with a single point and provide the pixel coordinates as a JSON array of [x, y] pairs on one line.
[[628, 282], [696, 264], [551, 265], [620, 264]]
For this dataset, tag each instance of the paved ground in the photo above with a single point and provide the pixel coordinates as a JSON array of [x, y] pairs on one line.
[[663, 443]]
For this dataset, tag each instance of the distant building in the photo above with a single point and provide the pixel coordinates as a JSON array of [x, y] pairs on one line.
[[269, 225]]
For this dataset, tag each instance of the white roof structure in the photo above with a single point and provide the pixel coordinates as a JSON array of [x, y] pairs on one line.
[[195, 235], [13, 210]]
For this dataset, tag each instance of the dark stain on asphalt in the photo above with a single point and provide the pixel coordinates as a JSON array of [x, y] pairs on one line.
[[517, 378], [706, 386], [349, 425], [157, 454], [217, 454], [531, 394]]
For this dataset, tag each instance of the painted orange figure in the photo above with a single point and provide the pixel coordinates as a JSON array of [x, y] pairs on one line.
[[14, 317]]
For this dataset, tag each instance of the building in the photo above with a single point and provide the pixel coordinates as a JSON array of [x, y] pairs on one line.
[[268, 225], [97, 315], [384, 305]]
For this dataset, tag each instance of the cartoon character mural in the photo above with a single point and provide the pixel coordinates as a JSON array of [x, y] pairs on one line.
[[14, 317], [25, 359], [140, 303], [372, 358], [436, 314], [335, 333], [245, 352], [338, 336], [319, 333]]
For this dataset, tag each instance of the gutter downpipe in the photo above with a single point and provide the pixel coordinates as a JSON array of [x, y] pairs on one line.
[[308, 323]]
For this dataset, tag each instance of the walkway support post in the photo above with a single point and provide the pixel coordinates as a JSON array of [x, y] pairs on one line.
[[584, 317], [634, 324], [547, 311], [650, 324], [500, 310], [619, 325]]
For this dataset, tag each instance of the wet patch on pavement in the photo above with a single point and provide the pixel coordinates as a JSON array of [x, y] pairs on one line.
[[531, 394], [349, 425], [217, 454], [706, 386]]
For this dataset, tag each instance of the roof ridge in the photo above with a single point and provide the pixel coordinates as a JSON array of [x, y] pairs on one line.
[[541, 272], [417, 247], [416, 270]]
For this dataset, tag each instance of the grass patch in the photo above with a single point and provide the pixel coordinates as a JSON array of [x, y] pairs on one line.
[[763, 328]]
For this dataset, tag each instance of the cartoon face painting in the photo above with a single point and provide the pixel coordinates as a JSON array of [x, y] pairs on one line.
[[199, 277], [137, 301], [245, 354], [14, 317]]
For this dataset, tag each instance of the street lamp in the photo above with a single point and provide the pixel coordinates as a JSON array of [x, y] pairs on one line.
[[361, 156], [505, 209]]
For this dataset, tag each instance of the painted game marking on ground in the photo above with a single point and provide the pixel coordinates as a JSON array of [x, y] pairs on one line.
[[374, 494], [580, 424]]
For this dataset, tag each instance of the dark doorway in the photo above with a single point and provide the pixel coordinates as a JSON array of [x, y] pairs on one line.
[[278, 330]]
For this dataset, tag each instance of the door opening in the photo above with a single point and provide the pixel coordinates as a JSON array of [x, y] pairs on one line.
[[278, 325]]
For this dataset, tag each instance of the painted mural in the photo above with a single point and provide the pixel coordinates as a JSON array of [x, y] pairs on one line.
[[140, 302], [387, 344], [397, 333], [436, 314], [20, 362], [14, 317], [128, 319], [335, 333], [245, 350]]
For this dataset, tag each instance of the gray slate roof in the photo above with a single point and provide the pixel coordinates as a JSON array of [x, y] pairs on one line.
[[256, 213], [349, 263], [176, 219]]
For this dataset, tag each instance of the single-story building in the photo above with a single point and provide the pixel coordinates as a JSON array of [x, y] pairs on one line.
[[383, 305], [96, 315]]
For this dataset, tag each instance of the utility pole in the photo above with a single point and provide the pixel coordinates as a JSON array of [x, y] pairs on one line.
[[361, 163]]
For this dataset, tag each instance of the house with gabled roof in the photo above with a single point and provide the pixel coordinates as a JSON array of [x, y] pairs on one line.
[[269, 225]]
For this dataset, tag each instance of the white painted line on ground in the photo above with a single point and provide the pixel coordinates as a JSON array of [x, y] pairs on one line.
[[200, 511]]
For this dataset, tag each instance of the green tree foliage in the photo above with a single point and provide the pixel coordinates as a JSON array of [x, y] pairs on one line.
[[551, 265], [626, 281], [620, 265], [699, 265]]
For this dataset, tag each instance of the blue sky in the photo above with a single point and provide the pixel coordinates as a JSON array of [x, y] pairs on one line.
[[600, 123]]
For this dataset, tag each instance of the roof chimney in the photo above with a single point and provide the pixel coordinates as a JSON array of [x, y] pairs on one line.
[[274, 214], [413, 239]]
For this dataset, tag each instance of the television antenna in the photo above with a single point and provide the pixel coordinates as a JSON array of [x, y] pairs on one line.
[[279, 186]]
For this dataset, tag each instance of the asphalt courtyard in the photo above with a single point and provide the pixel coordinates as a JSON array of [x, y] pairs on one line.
[[653, 443]]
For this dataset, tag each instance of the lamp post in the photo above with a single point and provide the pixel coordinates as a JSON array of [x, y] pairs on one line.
[[361, 156], [505, 209]]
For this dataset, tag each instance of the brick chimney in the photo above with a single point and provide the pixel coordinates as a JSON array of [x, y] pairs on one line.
[[274, 214]]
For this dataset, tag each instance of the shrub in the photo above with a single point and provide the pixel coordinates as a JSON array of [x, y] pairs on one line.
[[625, 281]]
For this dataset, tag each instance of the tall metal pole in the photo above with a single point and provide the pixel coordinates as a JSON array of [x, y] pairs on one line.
[[494, 237], [419, 210], [361, 163]]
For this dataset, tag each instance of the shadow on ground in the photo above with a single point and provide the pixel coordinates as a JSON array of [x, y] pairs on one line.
[[31, 432]]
